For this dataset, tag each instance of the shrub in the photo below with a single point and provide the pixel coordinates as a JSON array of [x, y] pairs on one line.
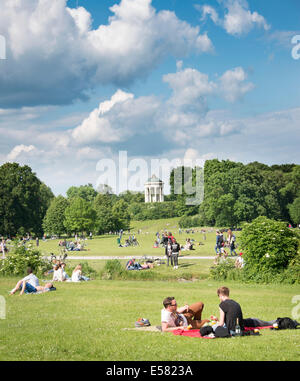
[[112, 270], [20, 257], [226, 270], [268, 246]]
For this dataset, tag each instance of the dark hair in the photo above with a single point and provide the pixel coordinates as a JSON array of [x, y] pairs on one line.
[[223, 291], [29, 270], [168, 301]]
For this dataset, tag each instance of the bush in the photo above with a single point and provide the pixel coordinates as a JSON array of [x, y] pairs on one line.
[[20, 258], [112, 270], [268, 246], [226, 270]]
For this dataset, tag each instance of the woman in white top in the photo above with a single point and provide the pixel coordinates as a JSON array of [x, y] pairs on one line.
[[57, 274], [65, 276], [77, 272]]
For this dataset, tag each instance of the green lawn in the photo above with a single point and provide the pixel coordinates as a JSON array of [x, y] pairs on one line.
[[106, 245], [86, 321]]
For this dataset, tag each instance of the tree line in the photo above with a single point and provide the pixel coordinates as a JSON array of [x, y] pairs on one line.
[[233, 193]]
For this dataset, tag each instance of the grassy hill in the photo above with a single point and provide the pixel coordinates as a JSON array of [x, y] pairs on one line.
[[106, 245]]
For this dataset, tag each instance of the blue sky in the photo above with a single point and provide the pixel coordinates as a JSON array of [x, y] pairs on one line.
[[166, 79]]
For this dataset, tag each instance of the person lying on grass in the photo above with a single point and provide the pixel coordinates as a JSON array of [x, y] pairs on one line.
[[173, 318], [30, 284], [231, 314], [132, 265]]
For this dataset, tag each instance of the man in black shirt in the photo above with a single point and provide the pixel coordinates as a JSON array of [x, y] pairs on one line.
[[175, 253], [231, 314], [230, 311]]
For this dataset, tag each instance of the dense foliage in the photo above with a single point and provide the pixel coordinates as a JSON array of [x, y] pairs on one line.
[[268, 245], [236, 193], [19, 258], [270, 252], [24, 200], [79, 216], [53, 222], [152, 211]]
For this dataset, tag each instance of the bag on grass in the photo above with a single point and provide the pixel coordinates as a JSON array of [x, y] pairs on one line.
[[205, 331], [286, 323], [222, 332], [142, 322]]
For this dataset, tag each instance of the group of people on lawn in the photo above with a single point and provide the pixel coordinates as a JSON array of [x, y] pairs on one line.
[[174, 318], [30, 284]]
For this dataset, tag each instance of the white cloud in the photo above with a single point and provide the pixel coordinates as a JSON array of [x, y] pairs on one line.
[[19, 150], [238, 19], [54, 56], [183, 114], [210, 11], [189, 87], [233, 86], [117, 119]]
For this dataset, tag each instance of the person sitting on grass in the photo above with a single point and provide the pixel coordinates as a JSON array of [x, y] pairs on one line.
[[231, 313], [173, 318], [77, 247], [77, 275], [156, 245], [57, 273], [65, 276]]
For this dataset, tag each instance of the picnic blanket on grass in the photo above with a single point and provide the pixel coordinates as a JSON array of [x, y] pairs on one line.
[[196, 332]]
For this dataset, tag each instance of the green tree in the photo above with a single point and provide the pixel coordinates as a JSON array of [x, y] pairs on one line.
[[86, 192], [79, 216], [106, 221], [294, 210], [53, 222], [22, 200], [121, 215], [46, 197]]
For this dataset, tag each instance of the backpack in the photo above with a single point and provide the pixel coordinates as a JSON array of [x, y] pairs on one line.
[[205, 331], [222, 332], [286, 323]]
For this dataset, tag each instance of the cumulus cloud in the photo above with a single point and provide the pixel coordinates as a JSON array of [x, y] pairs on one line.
[[19, 150], [182, 114], [117, 119], [238, 19], [233, 86], [54, 56], [189, 88]]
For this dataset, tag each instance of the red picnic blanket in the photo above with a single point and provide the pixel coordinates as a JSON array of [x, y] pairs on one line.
[[196, 332]]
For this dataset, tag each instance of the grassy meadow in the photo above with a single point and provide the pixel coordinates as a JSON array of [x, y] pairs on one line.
[[95, 320], [90, 321], [106, 245]]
